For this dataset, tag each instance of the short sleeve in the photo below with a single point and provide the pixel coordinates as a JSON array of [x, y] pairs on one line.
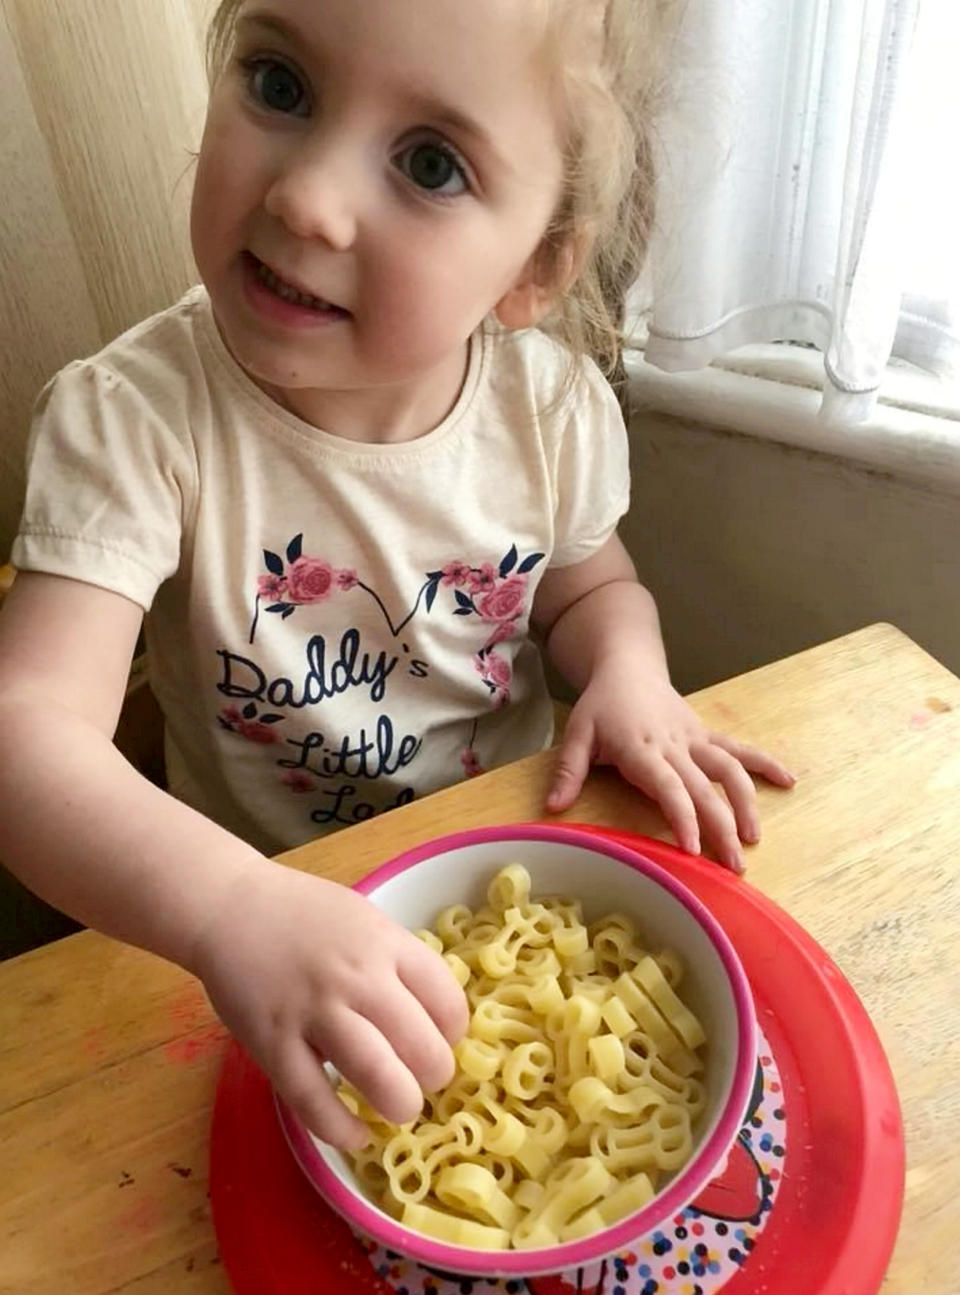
[[592, 470], [107, 486]]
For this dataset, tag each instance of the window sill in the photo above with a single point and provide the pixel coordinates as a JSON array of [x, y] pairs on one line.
[[773, 392]]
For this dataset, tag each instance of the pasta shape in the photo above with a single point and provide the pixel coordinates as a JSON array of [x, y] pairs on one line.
[[577, 1084]]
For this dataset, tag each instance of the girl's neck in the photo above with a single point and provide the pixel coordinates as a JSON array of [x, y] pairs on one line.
[[389, 414]]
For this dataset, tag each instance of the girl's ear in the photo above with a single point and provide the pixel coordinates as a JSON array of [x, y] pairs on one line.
[[544, 279], [524, 305]]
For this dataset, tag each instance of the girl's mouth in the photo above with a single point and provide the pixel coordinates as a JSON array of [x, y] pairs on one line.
[[266, 286]]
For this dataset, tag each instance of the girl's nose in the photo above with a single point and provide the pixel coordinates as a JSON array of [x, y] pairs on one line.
[[315, 196]]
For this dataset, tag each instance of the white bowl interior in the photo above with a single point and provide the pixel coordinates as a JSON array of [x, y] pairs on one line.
[[414, 897]]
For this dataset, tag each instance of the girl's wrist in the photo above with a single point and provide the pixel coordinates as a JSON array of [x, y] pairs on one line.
[[636, 658], [227, 896]]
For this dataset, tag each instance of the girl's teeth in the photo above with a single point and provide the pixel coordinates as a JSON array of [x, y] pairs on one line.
[[284, 290]]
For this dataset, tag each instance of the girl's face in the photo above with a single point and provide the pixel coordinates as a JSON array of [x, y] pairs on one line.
[[375, 177]]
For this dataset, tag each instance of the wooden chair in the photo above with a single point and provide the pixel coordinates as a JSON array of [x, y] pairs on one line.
[[25, 920]]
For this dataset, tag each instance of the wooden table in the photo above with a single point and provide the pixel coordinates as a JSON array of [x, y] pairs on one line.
[[109, 1057]]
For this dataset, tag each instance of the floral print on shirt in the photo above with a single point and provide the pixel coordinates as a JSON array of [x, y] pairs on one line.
[[495, 594]]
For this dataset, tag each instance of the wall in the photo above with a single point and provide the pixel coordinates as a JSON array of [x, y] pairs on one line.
[[101, 103], [756, 549]]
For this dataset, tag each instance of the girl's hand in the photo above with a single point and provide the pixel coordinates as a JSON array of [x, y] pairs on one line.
[[646, 729], [303, 970]]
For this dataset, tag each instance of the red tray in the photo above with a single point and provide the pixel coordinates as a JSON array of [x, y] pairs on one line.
[[835, 1218]]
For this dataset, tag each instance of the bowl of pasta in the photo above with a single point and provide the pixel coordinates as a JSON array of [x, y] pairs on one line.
[[604, 1075]]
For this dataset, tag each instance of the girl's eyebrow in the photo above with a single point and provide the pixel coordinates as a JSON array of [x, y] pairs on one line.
[[271, 22]]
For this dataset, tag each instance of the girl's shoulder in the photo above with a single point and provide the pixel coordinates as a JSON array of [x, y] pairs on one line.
[[155, 360], [155, 378], [559, 385]]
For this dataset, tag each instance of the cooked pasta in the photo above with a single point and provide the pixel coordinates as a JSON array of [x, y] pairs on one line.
[[577, 1084]]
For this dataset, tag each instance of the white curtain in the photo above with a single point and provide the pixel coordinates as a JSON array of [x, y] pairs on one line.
[[786, 206]]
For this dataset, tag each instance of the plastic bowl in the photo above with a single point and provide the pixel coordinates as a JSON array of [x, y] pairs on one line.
[[456, 869]]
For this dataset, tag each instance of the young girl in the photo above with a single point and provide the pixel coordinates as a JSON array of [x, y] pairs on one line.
[[345, 477]]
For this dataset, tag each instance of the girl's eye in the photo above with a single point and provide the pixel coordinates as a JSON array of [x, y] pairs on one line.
[[434, 168], [276, 86]]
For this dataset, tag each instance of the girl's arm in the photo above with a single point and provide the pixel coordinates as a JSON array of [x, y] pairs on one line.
[[603, 634], [82, 829], [299, 968]]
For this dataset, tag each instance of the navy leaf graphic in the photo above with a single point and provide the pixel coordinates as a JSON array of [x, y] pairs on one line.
[[249, 711], [432, 591], [274, 562], [278, 607], [295, 547], [510, 561], [288, 611], [434, 575], [271, 719], [463, 611], [464, 600], [529, 563]]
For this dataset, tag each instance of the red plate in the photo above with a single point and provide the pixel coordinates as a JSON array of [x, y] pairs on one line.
[[837, 1210]]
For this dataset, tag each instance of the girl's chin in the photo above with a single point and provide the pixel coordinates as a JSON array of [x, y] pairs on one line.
[[269, 364]]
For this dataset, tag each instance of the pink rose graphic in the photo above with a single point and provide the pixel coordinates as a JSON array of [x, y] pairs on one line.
[[484, 578], [500, 634], [295, 579], [254, 731], [470, 762], [497, 670], [271, 586], [231, 715], [496, 674], [505, 601], [309, 580], [455, 573]]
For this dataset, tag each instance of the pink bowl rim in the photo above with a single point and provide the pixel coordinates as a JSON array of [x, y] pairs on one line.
[[678, 1194]]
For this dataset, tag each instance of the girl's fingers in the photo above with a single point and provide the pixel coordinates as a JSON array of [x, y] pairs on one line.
[[722, 767], [364, 1057], [431, 981], [662, 783], [303, 1084], [410, 1031], [754, 760], [573, 764], [715, 815]]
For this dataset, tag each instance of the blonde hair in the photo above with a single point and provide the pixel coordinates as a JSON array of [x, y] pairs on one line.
[[609, 57], [612, 55]]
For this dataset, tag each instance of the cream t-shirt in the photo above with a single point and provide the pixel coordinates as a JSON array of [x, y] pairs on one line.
[[333, 628]]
